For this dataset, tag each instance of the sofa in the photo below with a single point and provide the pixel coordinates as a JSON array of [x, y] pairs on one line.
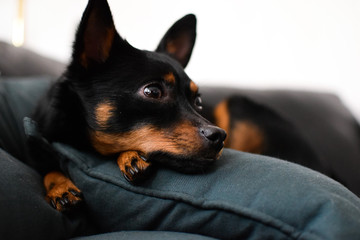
[[242, 196]]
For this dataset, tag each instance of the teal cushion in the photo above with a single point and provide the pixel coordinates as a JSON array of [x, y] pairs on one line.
[[24, 213], [144, 235], [18, 98], [243, 196]]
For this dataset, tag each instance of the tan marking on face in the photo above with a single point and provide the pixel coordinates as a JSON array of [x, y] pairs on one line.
[[184, 139], [170, 78], [222, 118], [246, 136], [193, 88], [103, 113]]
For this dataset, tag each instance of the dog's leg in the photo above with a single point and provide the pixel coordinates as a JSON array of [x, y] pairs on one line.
[[62, 194], [133, 165]]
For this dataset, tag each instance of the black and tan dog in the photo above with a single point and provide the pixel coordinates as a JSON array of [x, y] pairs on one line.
[[118, 100], [142, 107]]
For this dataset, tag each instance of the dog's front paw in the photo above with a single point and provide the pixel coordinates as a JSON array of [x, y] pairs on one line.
[[62, 194], [133, 165]]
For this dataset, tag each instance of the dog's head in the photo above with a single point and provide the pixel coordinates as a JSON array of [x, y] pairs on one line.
[[141, 100]]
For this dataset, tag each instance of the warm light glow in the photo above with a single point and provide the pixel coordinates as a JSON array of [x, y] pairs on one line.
[[18, 35]]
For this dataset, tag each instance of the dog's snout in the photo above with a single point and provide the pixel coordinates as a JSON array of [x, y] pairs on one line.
[[214, 134]]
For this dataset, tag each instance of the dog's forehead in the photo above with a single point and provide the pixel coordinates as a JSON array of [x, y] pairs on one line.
[[171, 68]]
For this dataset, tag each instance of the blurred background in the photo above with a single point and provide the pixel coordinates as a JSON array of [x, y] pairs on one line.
[[261, 44]]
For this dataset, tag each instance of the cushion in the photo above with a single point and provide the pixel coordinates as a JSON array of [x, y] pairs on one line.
[[243, 196], [18, 97], [24, 212], [144, 235]]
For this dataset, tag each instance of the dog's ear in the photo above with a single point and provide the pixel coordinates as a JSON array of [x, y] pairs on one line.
[[95, 35], [179, 40]]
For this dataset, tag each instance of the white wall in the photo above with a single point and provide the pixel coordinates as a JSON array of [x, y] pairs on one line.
[[307, 44]]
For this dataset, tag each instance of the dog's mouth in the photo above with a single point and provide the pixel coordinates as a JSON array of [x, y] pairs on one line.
[[195, 153], [185, 147], [186, 164]]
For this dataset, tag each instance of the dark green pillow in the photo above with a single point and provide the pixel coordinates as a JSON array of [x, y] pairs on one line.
[[243, 196], [144, 235], [18, 98]]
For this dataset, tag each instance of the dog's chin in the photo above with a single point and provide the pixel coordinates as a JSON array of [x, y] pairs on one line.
[[185, 164]]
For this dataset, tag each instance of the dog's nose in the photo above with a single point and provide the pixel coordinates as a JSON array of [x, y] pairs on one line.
[[214, 134]]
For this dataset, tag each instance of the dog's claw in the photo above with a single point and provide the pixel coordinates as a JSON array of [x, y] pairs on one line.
[[75, 193], [143, 158], [53, 204], [61, 201], [132, 172], [65, 199], [134, 166], [126, 177], [136, 169]]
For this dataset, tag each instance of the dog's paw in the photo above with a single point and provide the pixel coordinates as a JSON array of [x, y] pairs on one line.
[[62, 194], [133, 165], [64, 197]]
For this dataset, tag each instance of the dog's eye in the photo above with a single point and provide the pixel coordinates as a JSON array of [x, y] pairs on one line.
[[198, 103], [153, 91]]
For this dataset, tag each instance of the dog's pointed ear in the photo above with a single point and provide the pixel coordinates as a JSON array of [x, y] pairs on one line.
[[95, 35], [179, 40]]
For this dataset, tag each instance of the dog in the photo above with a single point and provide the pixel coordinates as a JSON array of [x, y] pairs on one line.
[[255, 128], [141, 107], [116, 100]]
